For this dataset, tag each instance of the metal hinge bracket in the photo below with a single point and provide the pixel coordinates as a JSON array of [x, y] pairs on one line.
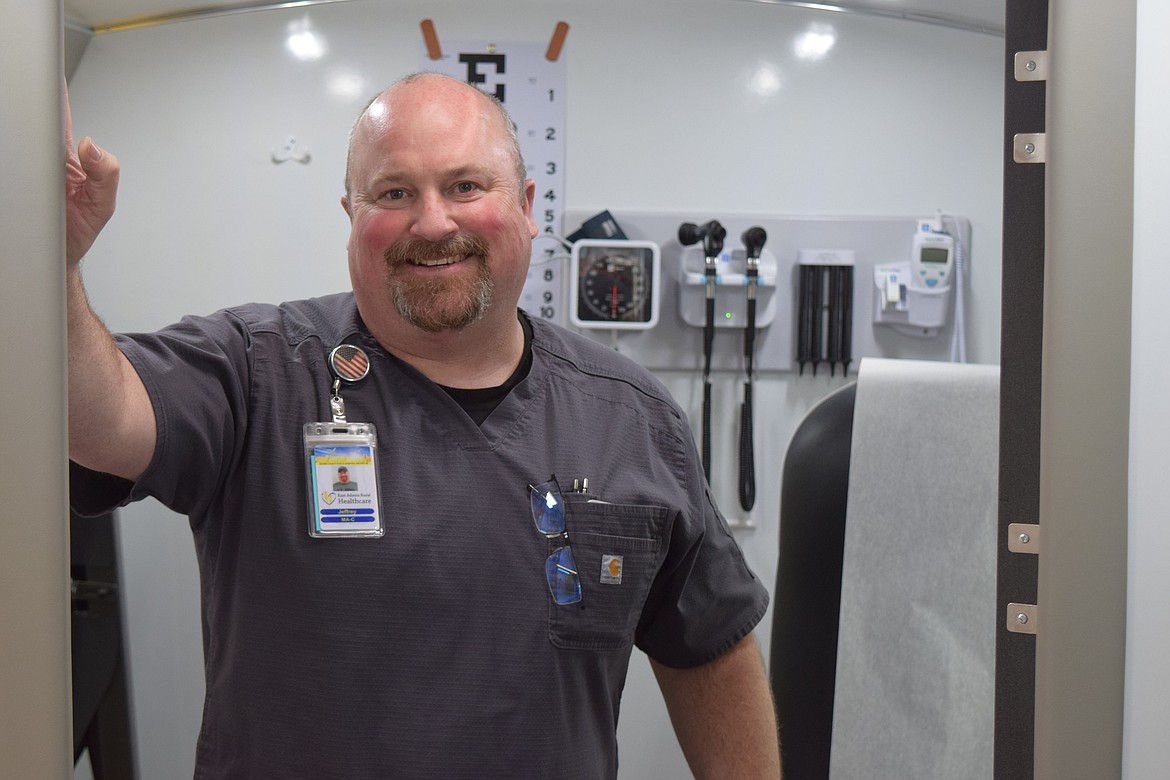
[[1022, 618], [1031, 66], [1029, 148], [1024, 538]]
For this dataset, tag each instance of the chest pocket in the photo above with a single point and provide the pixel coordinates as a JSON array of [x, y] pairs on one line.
[[618, 548]]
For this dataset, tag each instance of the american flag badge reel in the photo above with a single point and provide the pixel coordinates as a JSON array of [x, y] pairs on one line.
[[341, 460]]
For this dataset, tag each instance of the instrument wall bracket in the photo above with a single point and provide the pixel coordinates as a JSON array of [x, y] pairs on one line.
[[730, 288]]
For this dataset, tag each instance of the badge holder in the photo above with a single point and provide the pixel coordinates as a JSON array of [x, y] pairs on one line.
[[341, 461]]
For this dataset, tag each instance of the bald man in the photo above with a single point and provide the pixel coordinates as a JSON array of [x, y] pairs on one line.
[[485, 629]]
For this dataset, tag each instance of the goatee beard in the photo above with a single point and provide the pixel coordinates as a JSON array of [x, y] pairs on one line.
[[450, 303]]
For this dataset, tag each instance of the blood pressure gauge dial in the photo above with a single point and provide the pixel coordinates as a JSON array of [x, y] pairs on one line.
[[614, 284]]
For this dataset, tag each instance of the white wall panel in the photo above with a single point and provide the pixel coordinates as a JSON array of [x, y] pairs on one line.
[[898, 118], [1145, 752]]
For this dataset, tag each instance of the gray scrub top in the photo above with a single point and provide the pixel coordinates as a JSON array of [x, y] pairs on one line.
[[435, 651]]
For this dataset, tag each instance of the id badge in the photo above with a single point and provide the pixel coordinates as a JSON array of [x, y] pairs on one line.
[[341, 459]]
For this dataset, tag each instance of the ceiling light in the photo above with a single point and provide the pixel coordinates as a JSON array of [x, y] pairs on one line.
[[303, 42], [815, 42]]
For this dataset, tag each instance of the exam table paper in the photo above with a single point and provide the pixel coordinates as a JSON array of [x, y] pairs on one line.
[[916, 651]]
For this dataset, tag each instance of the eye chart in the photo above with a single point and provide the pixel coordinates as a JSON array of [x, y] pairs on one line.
[[529, 79]]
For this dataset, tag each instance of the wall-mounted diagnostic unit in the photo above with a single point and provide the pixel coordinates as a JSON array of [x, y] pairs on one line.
[[914, 297], [932, 259], [818, 311], [731, 281], [615, 284]]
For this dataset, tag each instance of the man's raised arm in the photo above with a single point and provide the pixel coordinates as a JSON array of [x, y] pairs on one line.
[[111, 419]]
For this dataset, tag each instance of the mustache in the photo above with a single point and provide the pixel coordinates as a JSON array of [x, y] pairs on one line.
[[421, 250]]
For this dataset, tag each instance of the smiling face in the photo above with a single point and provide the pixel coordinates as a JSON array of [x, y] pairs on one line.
[[441, 225]]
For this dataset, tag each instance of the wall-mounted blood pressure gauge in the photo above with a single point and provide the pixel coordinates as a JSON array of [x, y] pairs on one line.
[[614, 284]]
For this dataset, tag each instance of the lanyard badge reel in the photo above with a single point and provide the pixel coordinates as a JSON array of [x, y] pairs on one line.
[[341, 461]]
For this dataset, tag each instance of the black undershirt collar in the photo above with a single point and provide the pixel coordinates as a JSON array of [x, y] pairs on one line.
[[479, 402]]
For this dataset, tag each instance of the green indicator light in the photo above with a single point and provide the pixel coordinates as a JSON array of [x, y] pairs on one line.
[[727, 315]]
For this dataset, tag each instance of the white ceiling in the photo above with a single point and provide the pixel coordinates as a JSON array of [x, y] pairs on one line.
[[103, 14]]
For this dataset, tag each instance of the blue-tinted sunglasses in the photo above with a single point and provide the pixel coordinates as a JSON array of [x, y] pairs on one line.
[[548, 512]]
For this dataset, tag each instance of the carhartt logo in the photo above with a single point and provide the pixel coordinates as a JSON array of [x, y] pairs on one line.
[[611, 569]]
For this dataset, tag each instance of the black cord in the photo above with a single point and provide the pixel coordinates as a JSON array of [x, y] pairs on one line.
[[708, 343], [707, 430], [747, 456], [747, 459]]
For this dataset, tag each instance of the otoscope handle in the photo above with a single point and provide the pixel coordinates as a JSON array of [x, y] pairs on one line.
[[753, 241]]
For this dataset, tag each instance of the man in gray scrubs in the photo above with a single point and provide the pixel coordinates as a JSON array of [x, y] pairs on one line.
[[486, 627]]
